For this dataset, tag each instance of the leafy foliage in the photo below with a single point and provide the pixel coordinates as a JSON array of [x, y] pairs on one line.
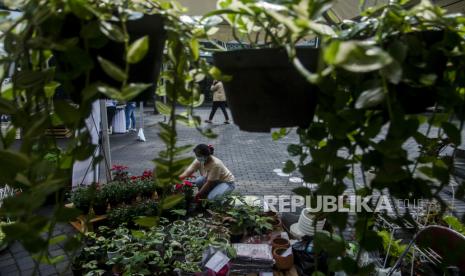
[[49, 49], [375, 76]]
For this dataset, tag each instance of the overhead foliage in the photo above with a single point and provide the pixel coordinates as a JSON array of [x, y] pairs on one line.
[[376, 76]]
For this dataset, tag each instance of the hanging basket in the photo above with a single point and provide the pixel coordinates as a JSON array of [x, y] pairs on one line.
[[70, 72], [266, 91]]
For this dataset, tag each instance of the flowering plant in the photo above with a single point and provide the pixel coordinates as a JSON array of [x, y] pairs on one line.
[[186, 187], [120, 173], [146, 175]]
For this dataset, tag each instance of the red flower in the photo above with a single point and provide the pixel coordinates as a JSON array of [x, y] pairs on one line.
[[134, 177], [118, 168], [187, 183]]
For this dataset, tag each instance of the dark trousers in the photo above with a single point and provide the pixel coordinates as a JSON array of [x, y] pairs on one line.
[[215, 106], [111, 110]]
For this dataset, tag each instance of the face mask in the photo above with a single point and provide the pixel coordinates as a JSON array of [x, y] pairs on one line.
[[202, 159]]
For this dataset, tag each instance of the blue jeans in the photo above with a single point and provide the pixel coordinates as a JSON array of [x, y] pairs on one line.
[[220, 188], [130, 116]]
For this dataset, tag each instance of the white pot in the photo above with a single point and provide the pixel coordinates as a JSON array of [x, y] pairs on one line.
[[305, 225]]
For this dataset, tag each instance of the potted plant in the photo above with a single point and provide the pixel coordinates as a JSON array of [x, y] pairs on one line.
[[284, 260], [81, 198], [113, 192], [125, 46], [264, 90], [99, 204], [112, 251], [146, 188]]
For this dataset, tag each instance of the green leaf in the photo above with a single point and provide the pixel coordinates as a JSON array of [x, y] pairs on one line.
[[370, 98], [454, 223], [110, 92], [112, 31], [428, 79], [294, 150], [7, 107], [180, 212], [452, 132], [281, 133], [146, 221], [89, 92], [50, 89], [393, 72], [321, 28], [65, 214], [28, 79], [171, 201], [112, 69], [285, 20], [163, 108], [133, 89], [57, 239], [289, 167], [78, 7], [13, 161], [194, 44], [356, 56], [67, 113], [45, 259], [215, 72], [137, 50]]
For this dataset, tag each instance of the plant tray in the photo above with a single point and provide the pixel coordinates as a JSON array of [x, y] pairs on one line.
[[80, 222]]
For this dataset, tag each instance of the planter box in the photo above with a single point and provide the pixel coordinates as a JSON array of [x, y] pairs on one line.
[[266, 91]]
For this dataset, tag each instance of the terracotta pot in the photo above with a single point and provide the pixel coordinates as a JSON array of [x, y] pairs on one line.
[[282, 263], [279, 242]]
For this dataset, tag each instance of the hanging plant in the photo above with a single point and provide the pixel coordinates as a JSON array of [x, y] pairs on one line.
[[263, 88]]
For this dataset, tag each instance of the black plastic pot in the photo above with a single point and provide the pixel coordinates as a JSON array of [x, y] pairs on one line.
[[236, 237], [77, 271], [421, 47], [145, 71], [266, 91], [99, 209]]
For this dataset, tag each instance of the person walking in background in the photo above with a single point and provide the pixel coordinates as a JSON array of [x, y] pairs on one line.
[[130, 116], [111, 110], [219, 100]]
